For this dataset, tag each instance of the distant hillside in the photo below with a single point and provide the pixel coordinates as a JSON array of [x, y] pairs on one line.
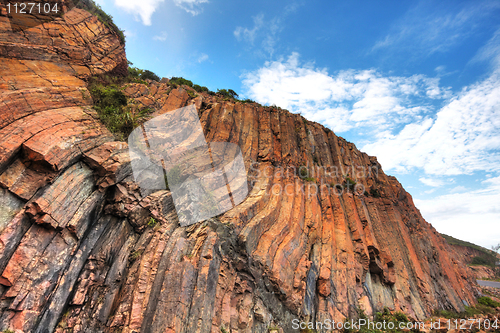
[[474, 254]]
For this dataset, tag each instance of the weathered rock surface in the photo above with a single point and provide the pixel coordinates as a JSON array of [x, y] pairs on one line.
[[81, 250]]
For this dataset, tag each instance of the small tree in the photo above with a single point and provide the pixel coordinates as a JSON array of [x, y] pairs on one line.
[[233, 93], [228, 93], [150, 76]]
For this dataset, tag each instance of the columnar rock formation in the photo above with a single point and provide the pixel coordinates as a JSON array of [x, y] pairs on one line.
[[81, 250]]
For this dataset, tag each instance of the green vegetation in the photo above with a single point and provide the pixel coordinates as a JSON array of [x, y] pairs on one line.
[[486, 258], [8, 331], [63, 323], [273, 328], [349, 183], [227, 93], [482, 261], [106, 19], [142, 74], [381, 317], [135, 255], [303, 172], [453, 241], [485, 306], [111, 105], [191, 93], [223, 330], [199, 88], [488, 302], [181, 81], [375, 193], [152, 222]]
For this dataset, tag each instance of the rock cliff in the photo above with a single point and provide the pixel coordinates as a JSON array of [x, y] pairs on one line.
[[82, 250]]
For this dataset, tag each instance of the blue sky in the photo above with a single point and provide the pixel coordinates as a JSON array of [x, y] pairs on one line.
[[415, 83]]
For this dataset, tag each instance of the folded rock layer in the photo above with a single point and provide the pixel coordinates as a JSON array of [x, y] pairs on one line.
[[82, 249]]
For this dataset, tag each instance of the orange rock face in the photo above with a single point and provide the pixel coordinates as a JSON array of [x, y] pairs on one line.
[[323, 233]]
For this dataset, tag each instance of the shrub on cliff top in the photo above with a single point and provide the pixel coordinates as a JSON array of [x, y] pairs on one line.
[[487, 257], [199, 88], [148, 75], [181, 81], [484, 260], [228, 93], [142, 74]]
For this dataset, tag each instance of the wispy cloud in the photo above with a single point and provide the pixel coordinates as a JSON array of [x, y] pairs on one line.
[[433, 182], [161, 37], [191, 6], [247, 34], [203, 57], [490, 52], [265, 31], [427, 28]]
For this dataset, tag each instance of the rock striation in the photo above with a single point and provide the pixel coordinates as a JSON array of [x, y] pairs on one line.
[[323, 234]]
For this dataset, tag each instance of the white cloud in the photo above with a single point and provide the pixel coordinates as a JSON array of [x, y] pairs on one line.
[[144, 9], [249, 34], [140, 8], [161, 37], [191, 6], [458, 189], [463, 137], [345, 100], [473, 216], [408, 130], [203, 57], [431, 182]]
